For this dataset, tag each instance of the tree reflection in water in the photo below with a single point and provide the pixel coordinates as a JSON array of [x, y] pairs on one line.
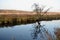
[[40, 33]]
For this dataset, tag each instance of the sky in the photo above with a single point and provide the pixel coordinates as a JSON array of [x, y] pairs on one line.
[[27, 4]]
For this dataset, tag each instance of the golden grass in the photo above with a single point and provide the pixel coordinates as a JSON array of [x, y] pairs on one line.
[[23, 19]]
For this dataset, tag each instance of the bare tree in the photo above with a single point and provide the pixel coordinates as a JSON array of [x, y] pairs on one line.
[[40, 10], [36, 8]]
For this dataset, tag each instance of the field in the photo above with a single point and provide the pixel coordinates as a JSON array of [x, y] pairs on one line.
[[10, 17], [24, 19]]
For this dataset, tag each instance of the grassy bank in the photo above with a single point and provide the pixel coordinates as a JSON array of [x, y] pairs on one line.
[[24, 19]]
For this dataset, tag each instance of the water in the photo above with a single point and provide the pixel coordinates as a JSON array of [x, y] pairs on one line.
[[32, 31]]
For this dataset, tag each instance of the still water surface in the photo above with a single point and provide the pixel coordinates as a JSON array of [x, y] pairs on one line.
[[30, 31]]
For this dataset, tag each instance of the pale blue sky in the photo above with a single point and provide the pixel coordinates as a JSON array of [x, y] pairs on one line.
[[27, 4]]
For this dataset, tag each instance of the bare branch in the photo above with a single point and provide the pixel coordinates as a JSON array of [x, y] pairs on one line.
[[39, 9], [47, 10]]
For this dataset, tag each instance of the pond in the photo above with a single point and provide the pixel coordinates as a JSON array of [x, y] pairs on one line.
[[43, 31]]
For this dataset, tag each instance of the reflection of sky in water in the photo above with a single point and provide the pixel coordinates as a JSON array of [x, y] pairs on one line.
[[51, 25], [23, 32]]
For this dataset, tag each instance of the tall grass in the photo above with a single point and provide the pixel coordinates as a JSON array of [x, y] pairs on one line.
[[17, 19]]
